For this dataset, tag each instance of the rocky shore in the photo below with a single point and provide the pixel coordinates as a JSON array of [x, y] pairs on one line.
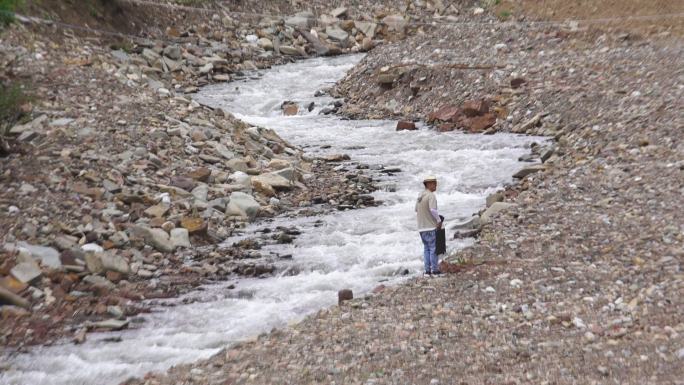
[[576, 275]]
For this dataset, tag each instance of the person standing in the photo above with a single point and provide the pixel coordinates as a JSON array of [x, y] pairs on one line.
[[428, 224]]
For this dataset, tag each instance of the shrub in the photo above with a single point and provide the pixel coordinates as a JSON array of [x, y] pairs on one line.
[[7, 9], [12, 98]]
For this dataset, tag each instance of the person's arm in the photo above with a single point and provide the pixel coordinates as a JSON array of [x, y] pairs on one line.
[[433, 210]]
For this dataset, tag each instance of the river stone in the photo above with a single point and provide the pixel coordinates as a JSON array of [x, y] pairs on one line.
[[150, 56], [344, 295], [366, 27], [238, 164], [304, 20], [529, 170], [336, 33], [274, 180], [395, 22], [201, 192], [180, 238], [242, 204], [114, 262], [110, 324], [291, 51], [495, 209], [94, 263], [26, 271], [265, 43], [172, 52], [157, 238], [279, 164], [47, 255], [96, 280]]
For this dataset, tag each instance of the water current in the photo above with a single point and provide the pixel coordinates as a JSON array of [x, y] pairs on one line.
[[356, 249]]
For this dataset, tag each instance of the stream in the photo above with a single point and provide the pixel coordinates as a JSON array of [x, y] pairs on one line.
[[354, 249]]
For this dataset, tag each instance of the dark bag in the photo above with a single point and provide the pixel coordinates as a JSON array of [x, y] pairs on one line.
[[441, 239]]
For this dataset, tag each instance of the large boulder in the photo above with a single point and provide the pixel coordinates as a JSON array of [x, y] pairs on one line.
[[243, 205], [46, 255], [155, 237], [336, 33]]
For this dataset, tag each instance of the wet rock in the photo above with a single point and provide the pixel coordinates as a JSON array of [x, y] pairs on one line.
[[291, 51], [242, 204], [528, 171], [344, 295], [289, 108], [110, 324], [405, 125]]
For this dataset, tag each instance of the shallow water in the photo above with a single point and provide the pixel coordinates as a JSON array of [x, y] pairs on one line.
[[355, 249]]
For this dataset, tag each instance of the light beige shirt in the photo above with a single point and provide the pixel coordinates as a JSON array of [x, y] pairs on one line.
[[426, 205]]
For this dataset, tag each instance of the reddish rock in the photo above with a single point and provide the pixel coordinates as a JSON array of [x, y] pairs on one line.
[[194, 225], [378, 289], [185, 183], [479, 123], [290, 109], [445, 127], [517, 82], [449, 113], [344, 295], [201, 174], [406, 125], [473, 108], [113, 276]]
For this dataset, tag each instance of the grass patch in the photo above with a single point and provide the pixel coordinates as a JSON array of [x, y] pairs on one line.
[[503, 15], [7, 9], [12, 98]]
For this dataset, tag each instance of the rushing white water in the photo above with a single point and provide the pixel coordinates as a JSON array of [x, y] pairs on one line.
[[352, 249]]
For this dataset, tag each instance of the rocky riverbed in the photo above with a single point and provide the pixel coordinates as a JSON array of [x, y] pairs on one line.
[[576, 274]]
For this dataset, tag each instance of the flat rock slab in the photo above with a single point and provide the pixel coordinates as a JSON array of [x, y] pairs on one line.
[[529, 170], [495, 209]]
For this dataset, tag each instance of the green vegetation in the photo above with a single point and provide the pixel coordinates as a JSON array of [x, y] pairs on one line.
[[503, 15], [12, 97], [7, 9]]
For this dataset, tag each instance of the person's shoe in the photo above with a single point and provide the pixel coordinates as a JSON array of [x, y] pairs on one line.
[[427, 273], [437, 272]]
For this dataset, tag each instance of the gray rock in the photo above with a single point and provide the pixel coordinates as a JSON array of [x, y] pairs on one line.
[[238, 164], [172, 52], [496, 197], [115, 311], [150, 56], [201, 192], [336, 33], [529, 170], [471, 223], [96, 280], [222, 150], [339, 12], [157, 238], [291, 51], [495, 209], [180, 238], [366, 27], [114, 262], [121, 56], [304, 20], [242, 204], [395, 22], [46, 255], [205, 69], [26, 271]]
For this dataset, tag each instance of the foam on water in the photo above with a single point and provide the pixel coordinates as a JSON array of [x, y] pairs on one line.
[[351, 249]]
